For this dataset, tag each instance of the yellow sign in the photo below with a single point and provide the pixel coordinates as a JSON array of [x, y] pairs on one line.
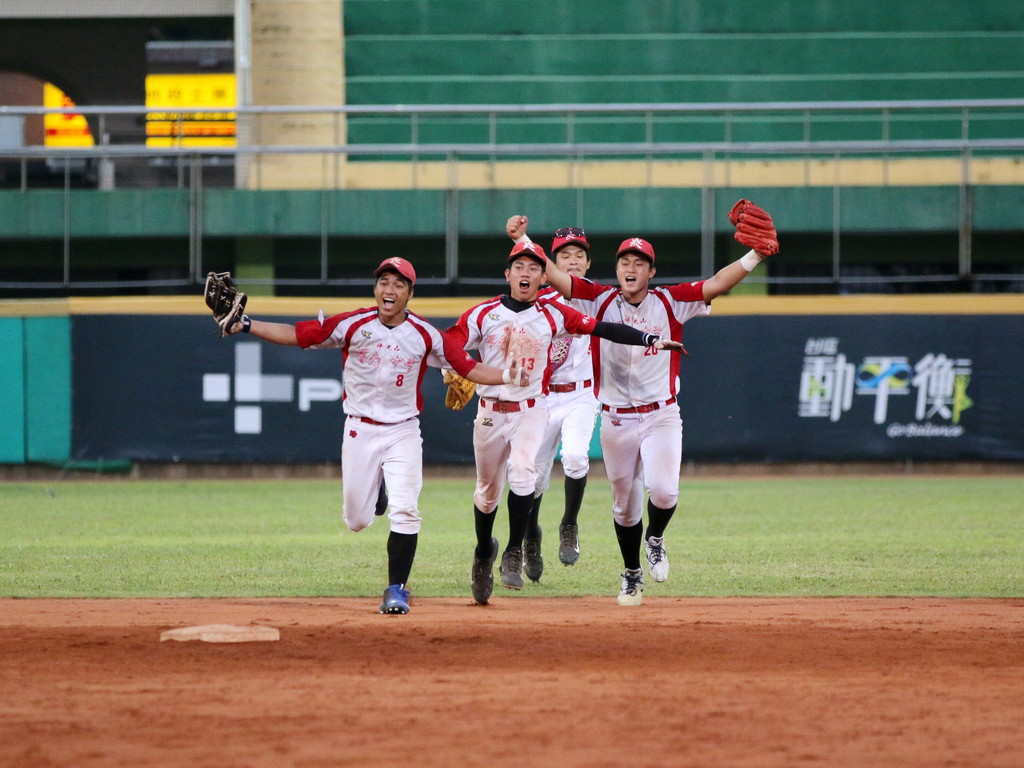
[[67, 130], [173, 125]]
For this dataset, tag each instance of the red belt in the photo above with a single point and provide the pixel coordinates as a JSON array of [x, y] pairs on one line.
[[638, 408], [507, 406], [560, 388], [381, 423]]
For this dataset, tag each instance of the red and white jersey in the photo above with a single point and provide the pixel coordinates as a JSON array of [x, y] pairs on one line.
[[626, 376], [382, 367], [570, 358], [502, 335]]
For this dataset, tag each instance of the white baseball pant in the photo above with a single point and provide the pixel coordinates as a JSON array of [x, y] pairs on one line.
[[392, 451], [571, 417], [642, 450], [506, 444]]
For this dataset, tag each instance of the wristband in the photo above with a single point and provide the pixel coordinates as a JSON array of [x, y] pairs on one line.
[[506, 376], [751, 260], [650, 339], [246, 324]]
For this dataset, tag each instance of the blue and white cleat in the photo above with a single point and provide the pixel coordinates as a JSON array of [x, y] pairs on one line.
[[396, 599]]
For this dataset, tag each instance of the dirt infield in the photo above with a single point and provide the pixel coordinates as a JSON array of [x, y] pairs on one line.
[[523, 682]]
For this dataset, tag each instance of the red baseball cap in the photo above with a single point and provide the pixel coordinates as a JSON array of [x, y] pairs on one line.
[[636, 245], [399, 265], [527, 248], [570, 236]]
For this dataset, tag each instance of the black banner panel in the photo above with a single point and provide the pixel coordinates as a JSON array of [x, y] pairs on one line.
[[754, 388], [853, 387], [164, 388]]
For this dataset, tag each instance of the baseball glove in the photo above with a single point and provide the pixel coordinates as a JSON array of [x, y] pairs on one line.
[[754, 228], [460, 391], [225, 301]]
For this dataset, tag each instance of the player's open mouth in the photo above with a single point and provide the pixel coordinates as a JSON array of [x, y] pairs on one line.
[[388, 302], [524, 285]]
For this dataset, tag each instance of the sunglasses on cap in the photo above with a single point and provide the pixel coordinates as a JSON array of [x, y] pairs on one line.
[[567, 231]]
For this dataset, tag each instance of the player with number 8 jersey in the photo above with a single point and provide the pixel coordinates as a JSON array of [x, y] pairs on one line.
[[386, 350]]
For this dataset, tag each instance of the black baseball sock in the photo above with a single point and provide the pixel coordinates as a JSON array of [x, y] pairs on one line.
[[573, 498], [401, 553], [382, 500], [518, 518], [629, 543], [484, 529], [533, 527], [657, 520]]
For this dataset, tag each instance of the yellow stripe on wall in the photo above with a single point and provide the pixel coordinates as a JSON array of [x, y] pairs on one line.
[[271, 306]]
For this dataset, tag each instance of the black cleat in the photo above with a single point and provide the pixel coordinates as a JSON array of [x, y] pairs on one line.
[[483, 574], [533, 563], [511, 568], [568, 543]]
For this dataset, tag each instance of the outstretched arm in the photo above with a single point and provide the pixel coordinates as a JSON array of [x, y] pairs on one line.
[[278, 333], [625, 334]]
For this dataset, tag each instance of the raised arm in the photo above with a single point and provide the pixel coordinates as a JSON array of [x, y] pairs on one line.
[[754, 228], [561, 281]]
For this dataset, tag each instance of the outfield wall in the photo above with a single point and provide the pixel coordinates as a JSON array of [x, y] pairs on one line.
[[923, 378]]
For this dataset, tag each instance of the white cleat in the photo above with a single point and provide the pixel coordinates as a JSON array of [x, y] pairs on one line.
[[657, 558], [632, 591]]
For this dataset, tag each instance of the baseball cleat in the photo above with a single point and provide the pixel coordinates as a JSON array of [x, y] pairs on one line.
[[657, 558], [482, 574], [568, 543], [632, 590], [511, 568], [533, 563], [396, 599]]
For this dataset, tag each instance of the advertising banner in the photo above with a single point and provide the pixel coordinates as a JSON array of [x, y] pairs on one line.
[[854, 387], [177, 393], [772, 388]]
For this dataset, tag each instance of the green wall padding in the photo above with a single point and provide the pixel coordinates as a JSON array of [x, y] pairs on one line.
[[12, 390], [48, 388]]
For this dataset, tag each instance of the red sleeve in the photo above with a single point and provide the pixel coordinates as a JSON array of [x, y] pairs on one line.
[[454, 353], [687, 291], [459, 333], [575, 321], [587, 289], [312, 332]]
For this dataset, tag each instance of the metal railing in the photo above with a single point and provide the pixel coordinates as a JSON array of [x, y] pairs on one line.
[[963, 133]]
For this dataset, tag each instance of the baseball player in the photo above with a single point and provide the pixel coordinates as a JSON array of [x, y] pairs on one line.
[[386, 350], [572, 410], [510, 422], [641, 429]]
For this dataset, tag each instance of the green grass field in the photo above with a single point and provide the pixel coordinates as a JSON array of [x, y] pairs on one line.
[[907, 536]]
